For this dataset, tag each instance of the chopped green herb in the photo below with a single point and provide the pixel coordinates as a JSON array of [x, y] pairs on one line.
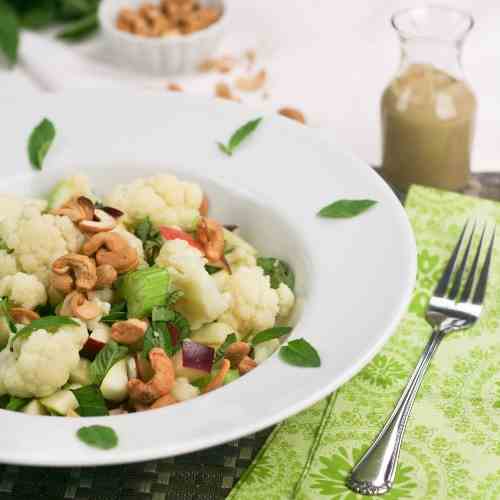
[[343, 209], [16, 404], [5, 312], [90, 401], [46, 310], [159, 336], [278, 270], [9, 31], [151, 238], [49, 323], [239, 136], [201, 382], [4, 401], [212, 269], [182, 325], [162, 313], [231, 376], [221, 351], [299, 352], [98, 436], [110, 354], [40, 141], [272, 333], [173, 297]]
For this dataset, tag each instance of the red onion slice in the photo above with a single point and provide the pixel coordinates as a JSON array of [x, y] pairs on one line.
[[197, 356]]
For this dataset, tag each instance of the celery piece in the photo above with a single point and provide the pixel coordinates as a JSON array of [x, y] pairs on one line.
[[145, 289], [231, 376]]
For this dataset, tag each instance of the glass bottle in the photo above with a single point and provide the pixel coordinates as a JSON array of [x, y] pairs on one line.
[[428, 111]]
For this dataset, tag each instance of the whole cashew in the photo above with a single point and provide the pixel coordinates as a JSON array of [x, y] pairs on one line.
[[218, 380], [105, 222], [129, 331], [246, 364], [62, 282], [77, 209], [83, 268], [111, 248], [236, 352], [106, 276], [76, 304], [161, 383]]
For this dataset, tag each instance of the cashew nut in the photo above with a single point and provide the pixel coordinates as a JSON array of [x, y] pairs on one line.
[[112, 249], [77, 209], [23, 316], [218, 380], [129, 331], [106, 276], [161, 383], [166, 400], [76, 304], [236, 352], [83, 268], [246, 364], [62, 282], [211, 236], [104, 222]]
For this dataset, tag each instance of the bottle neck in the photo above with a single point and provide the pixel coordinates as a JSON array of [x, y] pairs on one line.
[[444, 56]]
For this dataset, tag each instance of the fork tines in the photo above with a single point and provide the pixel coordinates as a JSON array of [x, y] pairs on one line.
[[458, 273]]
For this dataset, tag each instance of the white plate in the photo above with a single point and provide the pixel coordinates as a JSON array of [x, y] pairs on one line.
[[354, 277]]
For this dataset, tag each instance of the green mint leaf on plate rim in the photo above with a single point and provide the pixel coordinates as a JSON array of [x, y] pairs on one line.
[[49, 323], [239, 136], [271, 333], [9, 31], [110, 354], [299, 352], [344, 209], [40, 141], [98, 436]]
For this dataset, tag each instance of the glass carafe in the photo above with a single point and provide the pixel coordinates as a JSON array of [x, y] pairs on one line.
[[428, 111]]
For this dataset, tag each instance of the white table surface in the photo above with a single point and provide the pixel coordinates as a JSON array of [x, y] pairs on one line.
[[329, 58]]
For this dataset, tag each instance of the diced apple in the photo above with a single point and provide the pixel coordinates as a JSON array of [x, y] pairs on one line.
[[60, 402], [114, 385], [183, 371], [91, 348], [102, 333], [34, 407], [212, 335], [81, 374], [132, 368], [144, 370]]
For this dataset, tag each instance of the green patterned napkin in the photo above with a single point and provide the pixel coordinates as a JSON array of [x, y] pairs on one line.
[[452, 443]]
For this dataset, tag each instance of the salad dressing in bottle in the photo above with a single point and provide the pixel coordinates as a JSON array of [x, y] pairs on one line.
[[428, 111]]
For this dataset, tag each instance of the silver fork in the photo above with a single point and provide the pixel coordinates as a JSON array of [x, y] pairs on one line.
[[454, 306]]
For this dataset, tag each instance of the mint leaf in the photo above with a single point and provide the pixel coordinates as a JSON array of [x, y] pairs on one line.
[[162, 313], [173, 297], [110, 354], [5, 312], [221, 351], [9, 31], [4, 401], [80, 29], [151, 238], [300, 353], [90, 401], [343, 209], [212, 269], [49, 323], [239, 136], [278, 270], [272, 333], [98, 436], [40, 141], [16, 404]]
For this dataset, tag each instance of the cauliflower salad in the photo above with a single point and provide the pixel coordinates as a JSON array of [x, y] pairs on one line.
[[129, 302]]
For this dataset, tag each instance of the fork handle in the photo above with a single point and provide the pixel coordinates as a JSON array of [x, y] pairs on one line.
[[374, 473]]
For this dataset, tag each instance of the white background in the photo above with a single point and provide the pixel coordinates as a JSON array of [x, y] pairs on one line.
[[329, 58]]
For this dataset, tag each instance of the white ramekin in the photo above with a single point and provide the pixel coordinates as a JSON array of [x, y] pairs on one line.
[[159, 56]]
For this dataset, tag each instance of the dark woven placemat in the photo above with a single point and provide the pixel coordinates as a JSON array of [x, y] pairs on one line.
[[205, 475]]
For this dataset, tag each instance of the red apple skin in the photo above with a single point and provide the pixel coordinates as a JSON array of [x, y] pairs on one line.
[[91, 348], [144, 370]]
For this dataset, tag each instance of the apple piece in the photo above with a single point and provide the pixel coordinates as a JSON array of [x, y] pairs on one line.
[[114, 384], [99, 337], [183, 371], [60, 402], [102, 333], [132, 368], [144, 369], [81, 374], [34, 407]]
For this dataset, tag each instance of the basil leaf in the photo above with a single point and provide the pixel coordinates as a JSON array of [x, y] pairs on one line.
[[90, 401], [40, 141], [221, 351], [5, 312], [239, 136], [299, 352], [272, 333], [212, 269], [49, 323], [110, 354], [9, 31], [16, 404], [80, 29], [278, 270], [98, 436], [343, 209]]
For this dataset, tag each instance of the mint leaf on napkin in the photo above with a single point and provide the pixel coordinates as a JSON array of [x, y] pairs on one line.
[[239, 136]]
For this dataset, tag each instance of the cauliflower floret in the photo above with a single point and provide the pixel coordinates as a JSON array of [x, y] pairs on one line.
[[8, 264], [183, 390], [202, 302], [64, 190], [286, 300], [133, 241], [37, 240], [24, 290], [254, 304], [164, 198], [240, 252], [41, 364], [213, 334]]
